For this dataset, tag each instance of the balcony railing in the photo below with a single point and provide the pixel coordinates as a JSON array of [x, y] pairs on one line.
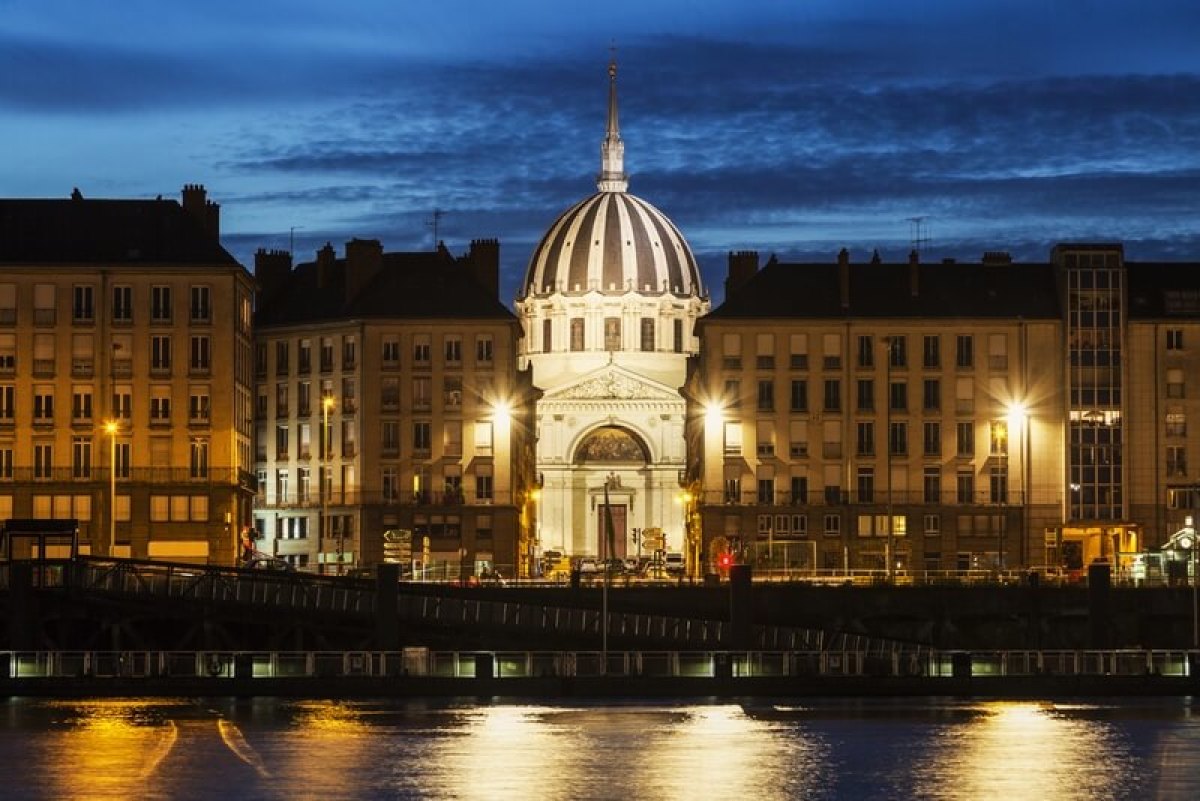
[[314, 500], [832, 496], [136, 475]]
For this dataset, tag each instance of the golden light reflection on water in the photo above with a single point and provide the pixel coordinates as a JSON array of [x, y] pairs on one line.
[[107, 749], [508, 752], [1016, 750], [634, 752], [325, 748], [731, 755]]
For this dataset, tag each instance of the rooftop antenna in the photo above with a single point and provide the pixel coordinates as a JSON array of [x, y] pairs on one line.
[[918, 232], [292, 239], [433, 223]]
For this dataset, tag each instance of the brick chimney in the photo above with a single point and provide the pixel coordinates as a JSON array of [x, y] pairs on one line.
[[326, 264], [483, 259], [203, 211], [743, 264], [364, 260], [844, 277], [271, 270], [914, 272]]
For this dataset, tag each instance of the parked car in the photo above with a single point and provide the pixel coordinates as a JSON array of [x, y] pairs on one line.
[[615, 566], [589, 565], [262, 561]]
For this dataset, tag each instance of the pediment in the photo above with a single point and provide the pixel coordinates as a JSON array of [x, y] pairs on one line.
[[612, 383]]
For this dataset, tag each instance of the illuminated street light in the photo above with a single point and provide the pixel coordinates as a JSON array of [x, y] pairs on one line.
[[713, 413], [1017, 416], [111, 427], [327, 403], [502, 412]]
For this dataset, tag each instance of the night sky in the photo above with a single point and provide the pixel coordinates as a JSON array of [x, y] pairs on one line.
[[793, 127]]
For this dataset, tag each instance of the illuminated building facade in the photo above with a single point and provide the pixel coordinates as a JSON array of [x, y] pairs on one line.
[[608, 305], [125, 347], [944, 416], [388, 397]]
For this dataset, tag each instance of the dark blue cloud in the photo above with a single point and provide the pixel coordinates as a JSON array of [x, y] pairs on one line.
[[782, 126]]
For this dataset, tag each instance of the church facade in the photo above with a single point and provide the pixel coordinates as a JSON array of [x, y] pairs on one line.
[[609, 304]]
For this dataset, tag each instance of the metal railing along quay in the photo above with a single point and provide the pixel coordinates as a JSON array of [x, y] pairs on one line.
[[418, 604], [423, 662]]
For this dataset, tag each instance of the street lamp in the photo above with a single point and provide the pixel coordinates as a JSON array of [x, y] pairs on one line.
[[606, 549], [690, 549], [535, 495], [327, 403], [889, 342], [1017, 416], [111, 428]]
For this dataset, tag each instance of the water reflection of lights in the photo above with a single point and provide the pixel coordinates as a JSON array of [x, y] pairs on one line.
[[324, 746], [113, 748], [511, 752], [1025, 750], [725, 753]]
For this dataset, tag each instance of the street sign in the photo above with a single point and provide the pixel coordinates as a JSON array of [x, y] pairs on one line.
[[653, 539], [397, 546]]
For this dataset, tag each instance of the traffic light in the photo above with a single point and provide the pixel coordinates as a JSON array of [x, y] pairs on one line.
[[725, 560]]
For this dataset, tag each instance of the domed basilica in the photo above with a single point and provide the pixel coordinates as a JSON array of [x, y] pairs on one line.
[[608, 304]]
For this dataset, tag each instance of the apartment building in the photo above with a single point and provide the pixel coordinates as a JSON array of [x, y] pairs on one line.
[[388, 399], [125, 374], [942, 416]]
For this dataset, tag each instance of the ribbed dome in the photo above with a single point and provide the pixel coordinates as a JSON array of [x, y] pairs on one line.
[[613, 242]]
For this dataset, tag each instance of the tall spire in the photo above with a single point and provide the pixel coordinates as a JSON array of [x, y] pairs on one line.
[[612, 176]]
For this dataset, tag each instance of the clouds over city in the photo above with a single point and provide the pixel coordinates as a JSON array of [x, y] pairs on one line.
[[752, 126]]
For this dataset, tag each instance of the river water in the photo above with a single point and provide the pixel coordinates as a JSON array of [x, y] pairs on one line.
[[483, 749]]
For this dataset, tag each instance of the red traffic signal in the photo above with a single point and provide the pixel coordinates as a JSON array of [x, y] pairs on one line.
[[725, 560]]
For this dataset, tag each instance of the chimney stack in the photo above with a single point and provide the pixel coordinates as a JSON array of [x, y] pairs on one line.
[[364, 260], [997, 257], [326, 264], [743, 264], [271, 269], [844, 277], [203, 211], [483, 259], [914, 272]]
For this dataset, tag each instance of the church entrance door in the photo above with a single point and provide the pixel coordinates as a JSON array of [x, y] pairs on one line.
[[619, 519]]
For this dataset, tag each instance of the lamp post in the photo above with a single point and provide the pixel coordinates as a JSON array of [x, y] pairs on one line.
[[535, 495], [606, 550], [1017, 416], [887, 400], [327, 403], [111, 428]]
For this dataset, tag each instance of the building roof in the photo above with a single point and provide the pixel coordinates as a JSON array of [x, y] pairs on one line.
[[612, 242], [947, 290], [105, 232], [1163, 290], [422, 285]]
